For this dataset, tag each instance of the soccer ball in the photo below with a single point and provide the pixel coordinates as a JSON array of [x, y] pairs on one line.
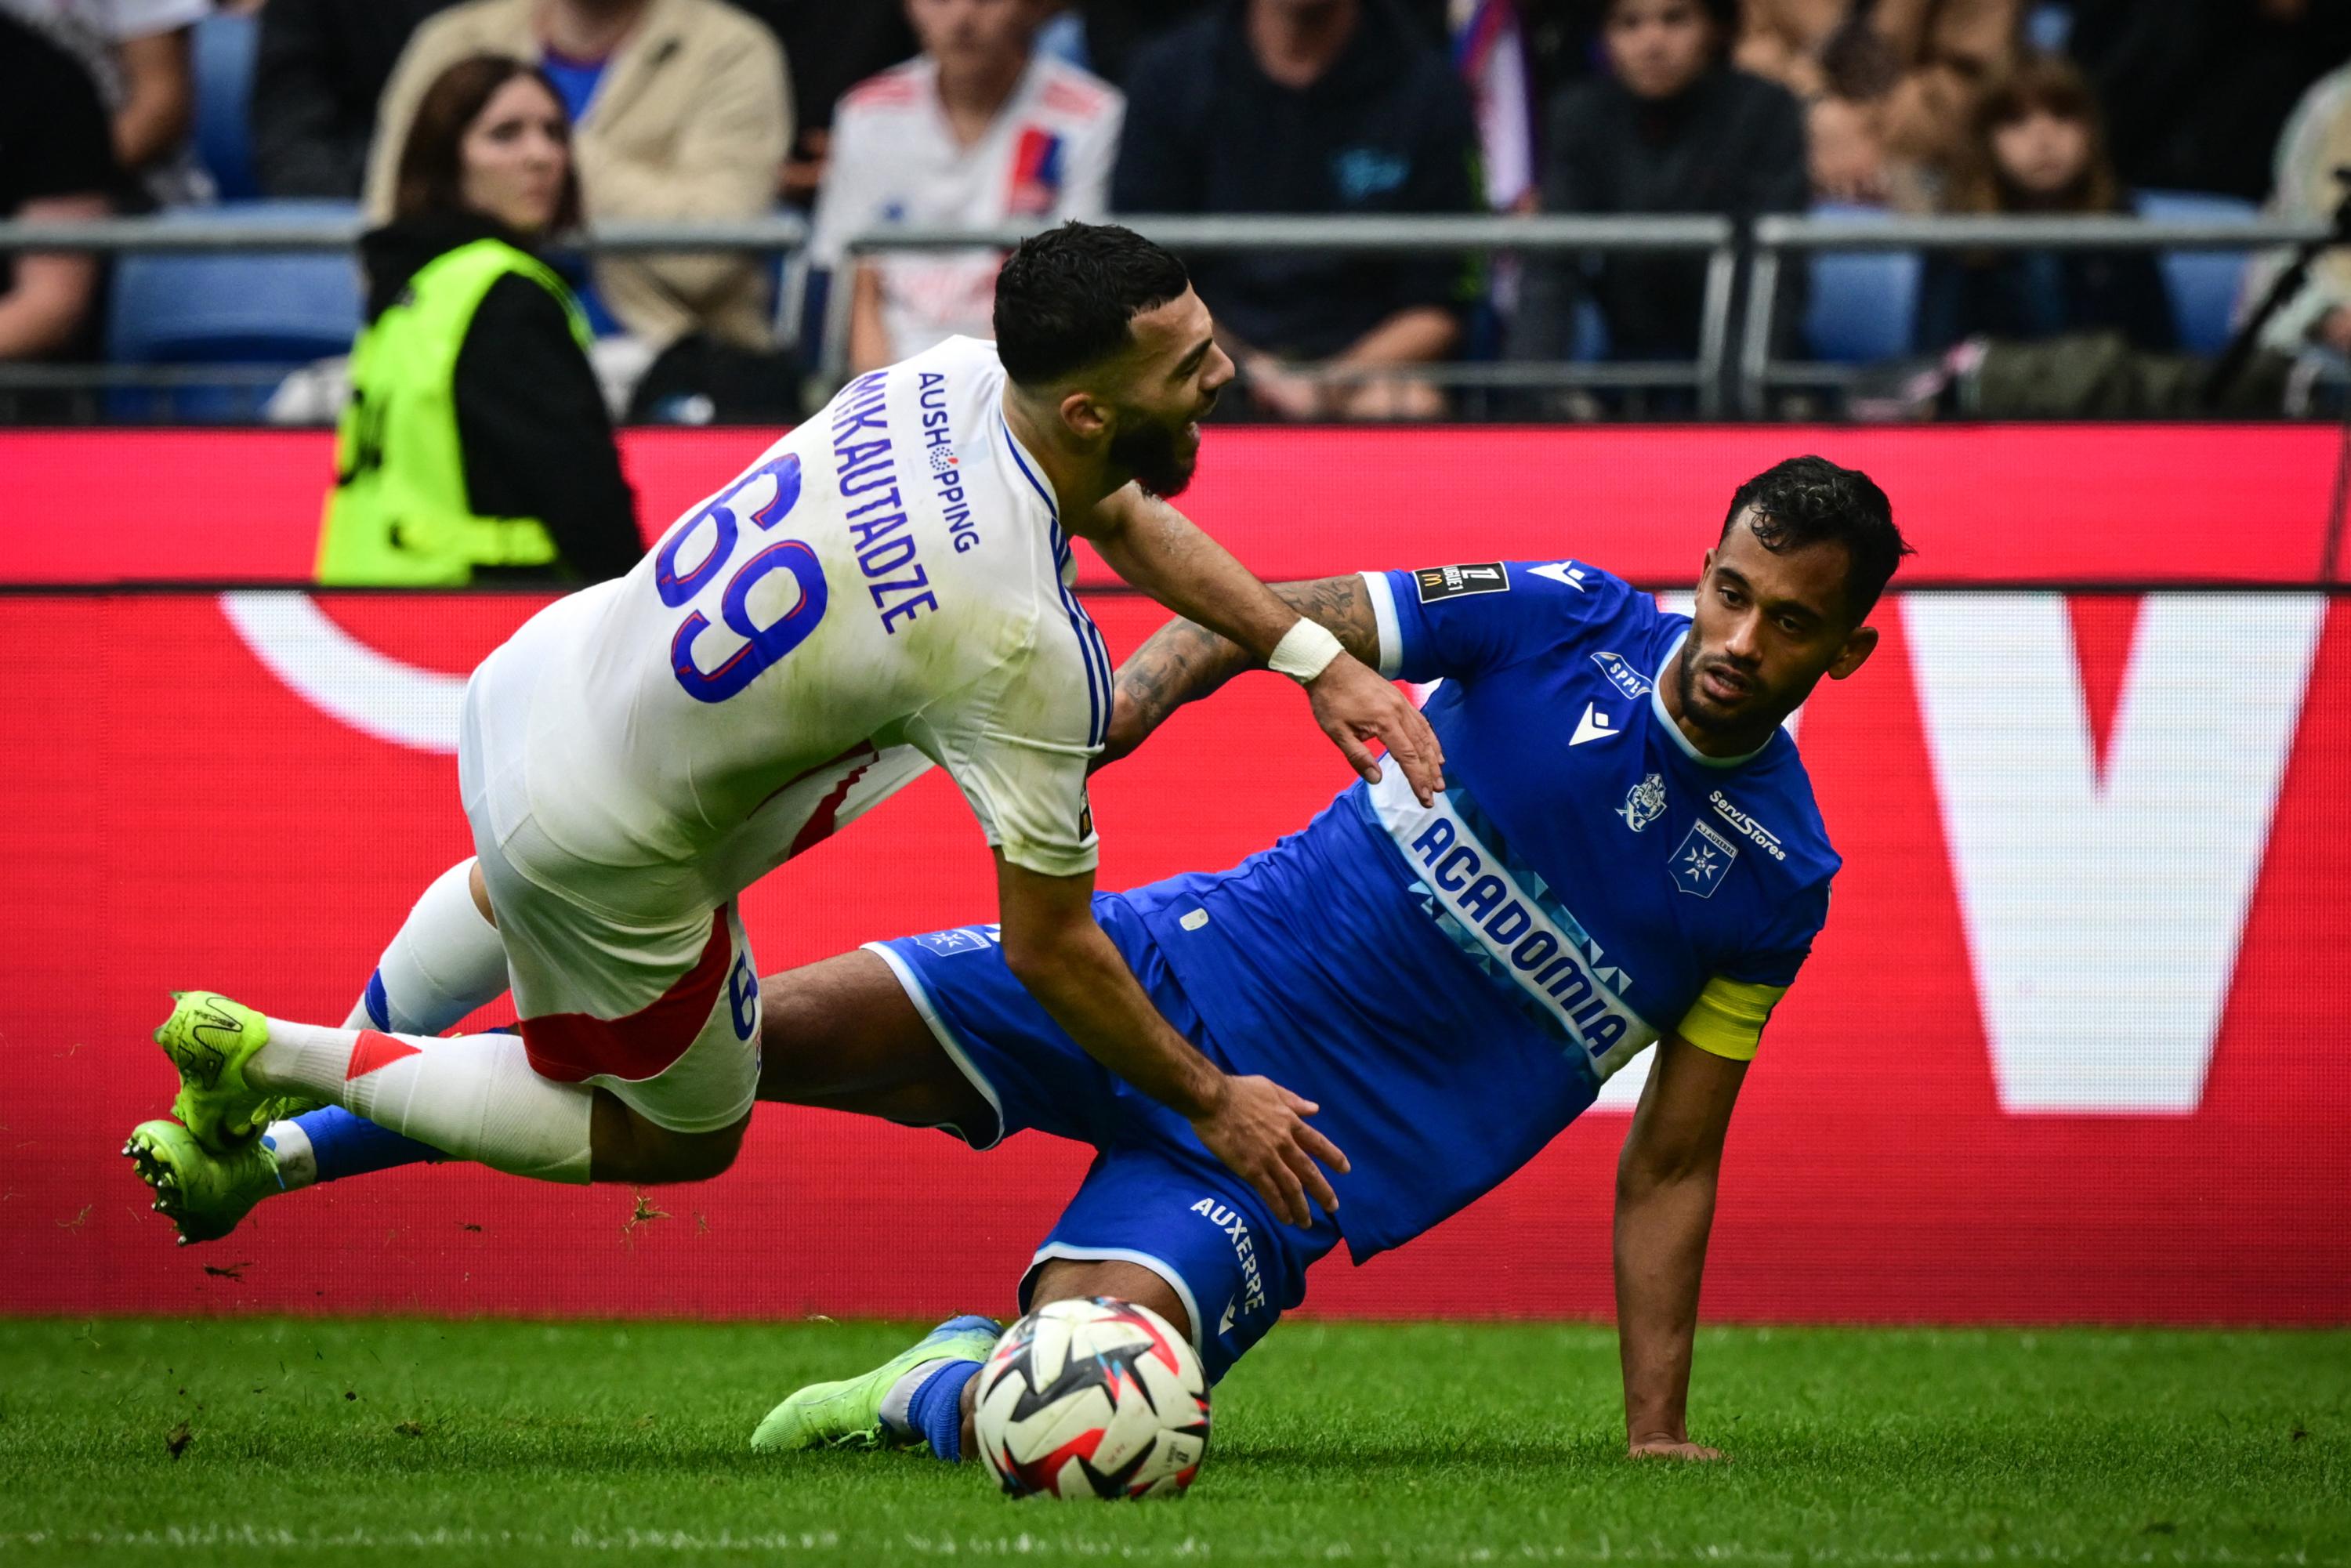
[[1092, 1398]]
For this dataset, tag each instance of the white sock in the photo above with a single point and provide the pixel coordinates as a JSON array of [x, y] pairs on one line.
[[472, 1096], [289, 1148], [901, 1397], [445, 962]]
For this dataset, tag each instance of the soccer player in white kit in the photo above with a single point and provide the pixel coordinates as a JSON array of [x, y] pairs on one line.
[[886, 588]]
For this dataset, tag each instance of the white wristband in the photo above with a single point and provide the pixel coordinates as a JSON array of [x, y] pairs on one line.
[[1304, 651]]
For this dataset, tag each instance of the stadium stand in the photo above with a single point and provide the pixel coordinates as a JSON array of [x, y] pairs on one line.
[[228, 310], [2204, 285], [1865, 304], [225, 43]]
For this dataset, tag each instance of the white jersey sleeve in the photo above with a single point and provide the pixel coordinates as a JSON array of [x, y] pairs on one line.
[[1020, 742], [1028, 790]]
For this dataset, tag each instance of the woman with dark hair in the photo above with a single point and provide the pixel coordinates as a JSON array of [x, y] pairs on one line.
[[476, 440], [2037, 145]]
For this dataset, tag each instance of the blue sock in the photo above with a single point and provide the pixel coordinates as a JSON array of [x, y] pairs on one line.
[[936, 1409], [344, 1144]]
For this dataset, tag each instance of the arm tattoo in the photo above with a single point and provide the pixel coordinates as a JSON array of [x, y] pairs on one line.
[[1183, 662]]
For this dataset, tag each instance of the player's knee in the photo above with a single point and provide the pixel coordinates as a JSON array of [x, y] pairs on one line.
[[790, 1017], [630, 1149], [1073, 1278], [701, 1156]]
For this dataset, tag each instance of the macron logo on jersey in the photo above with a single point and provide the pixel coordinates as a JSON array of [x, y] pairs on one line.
[[1536, 943], [1593, 725]]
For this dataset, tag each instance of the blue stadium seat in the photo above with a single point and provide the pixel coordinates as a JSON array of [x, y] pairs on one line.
[[2203, 284], [1864, 303], [225, 46], [1589, 342], [284, 308]]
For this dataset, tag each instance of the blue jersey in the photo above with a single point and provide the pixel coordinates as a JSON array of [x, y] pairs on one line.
[[1453, 983]]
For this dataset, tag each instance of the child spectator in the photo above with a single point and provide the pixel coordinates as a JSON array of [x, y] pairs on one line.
[[1309, 107], [681, 109], [1671, 128], [2038, 145], [977, 129]]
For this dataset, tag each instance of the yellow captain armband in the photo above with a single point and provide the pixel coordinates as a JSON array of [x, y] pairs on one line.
[[1728, 1016]]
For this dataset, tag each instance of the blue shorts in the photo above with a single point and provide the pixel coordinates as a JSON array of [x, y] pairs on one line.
[[1155, 1195]]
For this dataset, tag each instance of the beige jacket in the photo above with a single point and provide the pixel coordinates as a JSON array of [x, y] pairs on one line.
[[690, 122]]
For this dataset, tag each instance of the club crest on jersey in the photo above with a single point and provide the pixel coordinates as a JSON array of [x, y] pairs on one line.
[[963, 939], [1622, 674], [1437, 582], [1644, 803], [1700, 860]]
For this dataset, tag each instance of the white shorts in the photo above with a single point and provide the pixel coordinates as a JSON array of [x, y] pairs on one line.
[[637, 979], [665, 1016]]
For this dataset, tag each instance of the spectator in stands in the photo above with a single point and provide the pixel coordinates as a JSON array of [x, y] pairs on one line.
[[977, 129], [318, 70], [475, 439], [1855, 157], [682, 109], [1939, 52], [2196, 91], [57, 166], [2038, 145], [1309, 107], [138, 55], [831, 48], [1671, 128], [2315, 145]]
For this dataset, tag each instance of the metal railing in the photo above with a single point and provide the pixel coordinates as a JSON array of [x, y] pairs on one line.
[[1710, 235], [1780, 236], [1545, 235], [1760, 372]]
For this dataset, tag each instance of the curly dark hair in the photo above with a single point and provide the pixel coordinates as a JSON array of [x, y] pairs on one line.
[[1064, 298], [1806, 501]]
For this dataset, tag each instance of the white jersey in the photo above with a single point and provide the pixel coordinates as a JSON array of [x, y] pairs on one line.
[[1046, 156], [886, 586]]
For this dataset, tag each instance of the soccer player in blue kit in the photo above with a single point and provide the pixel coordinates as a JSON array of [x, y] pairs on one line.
[[1626, 854]]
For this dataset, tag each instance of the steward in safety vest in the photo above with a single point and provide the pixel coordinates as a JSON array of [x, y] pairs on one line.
[[477, 439]]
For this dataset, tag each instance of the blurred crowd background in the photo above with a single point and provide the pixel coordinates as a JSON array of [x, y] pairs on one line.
[[863, 115]]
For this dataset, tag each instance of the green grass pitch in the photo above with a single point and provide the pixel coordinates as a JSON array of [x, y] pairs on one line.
[[278, 1441]]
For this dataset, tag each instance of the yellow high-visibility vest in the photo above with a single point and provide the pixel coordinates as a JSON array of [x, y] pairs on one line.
[[398, 514]]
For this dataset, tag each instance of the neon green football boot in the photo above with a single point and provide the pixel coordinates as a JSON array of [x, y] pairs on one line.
[[210, 1040], [848, 1414], [203, 1193]]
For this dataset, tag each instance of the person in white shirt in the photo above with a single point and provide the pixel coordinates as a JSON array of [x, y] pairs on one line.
[[885, 588], [979, 130]]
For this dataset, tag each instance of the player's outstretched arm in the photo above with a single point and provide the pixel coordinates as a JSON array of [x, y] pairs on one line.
[[1054, 948], [1665, 1206], [1156, 548], [1184, 661]]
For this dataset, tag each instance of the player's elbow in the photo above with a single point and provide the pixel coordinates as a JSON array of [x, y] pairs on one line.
[[1042, 960], [1651, 1166]]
